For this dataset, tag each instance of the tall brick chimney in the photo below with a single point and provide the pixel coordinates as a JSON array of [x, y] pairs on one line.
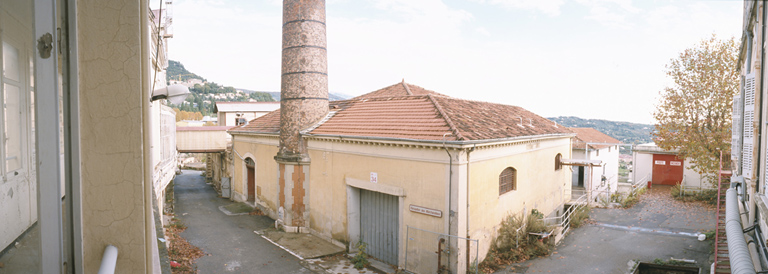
[[303, 102]]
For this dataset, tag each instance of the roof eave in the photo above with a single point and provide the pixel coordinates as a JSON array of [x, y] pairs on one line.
[[464, 143]]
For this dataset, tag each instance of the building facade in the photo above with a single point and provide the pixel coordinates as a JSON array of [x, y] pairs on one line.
[[404, 160]]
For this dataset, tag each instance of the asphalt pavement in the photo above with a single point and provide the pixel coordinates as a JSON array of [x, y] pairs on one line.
[[658, 227], [229, 242]]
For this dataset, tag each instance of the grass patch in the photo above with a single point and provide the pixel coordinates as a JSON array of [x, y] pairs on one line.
[[708, 196], [511, 246]]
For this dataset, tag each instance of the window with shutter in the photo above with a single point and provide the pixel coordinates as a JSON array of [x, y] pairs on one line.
[[507, 180], [748, 129]]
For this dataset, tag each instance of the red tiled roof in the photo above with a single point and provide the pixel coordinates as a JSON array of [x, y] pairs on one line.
[[268, 123], [476, 120], [399, 89], [426, 115], [591, 135], [406, 117]]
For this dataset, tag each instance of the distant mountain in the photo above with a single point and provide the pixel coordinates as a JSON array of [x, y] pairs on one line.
[[626, 132], [176, 71], [331, 96]]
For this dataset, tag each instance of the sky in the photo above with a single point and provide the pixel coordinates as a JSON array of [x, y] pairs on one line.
[[595, 59]]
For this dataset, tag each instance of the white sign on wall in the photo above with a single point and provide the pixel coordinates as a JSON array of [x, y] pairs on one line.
[[660, 162], [675, 163], [425, 211], [374, 178]]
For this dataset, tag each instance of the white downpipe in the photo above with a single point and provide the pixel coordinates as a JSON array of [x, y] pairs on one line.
[[738, 251], [146, 124], [108, 260]]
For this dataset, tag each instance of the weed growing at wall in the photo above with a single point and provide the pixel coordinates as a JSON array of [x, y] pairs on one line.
[[579, 216], [514, 244], [361, 258], [707, 196]]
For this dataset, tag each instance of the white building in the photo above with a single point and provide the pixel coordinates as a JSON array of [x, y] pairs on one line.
[[591, 144], [663, 167], [238, 113]]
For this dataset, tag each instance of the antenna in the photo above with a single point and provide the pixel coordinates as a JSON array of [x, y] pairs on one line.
[[521, 122]]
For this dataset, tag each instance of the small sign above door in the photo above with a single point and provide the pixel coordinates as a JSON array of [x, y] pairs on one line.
[[660, 162], [675, 163], [425, 211]]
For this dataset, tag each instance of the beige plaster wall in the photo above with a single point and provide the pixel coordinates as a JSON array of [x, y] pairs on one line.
[[420, 172], [201, 139], [539, 186], [109, 46], [261, 150]]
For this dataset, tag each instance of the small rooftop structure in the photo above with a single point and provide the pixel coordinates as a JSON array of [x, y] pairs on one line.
[[245, 106]]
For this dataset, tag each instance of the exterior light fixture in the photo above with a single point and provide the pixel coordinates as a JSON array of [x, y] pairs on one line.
[[175, 93]]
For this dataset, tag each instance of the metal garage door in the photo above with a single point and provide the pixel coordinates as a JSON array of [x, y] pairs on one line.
[[379, 225], [667, 169]]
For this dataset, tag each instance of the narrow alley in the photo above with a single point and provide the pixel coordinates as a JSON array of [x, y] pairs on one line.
[[229, 242]]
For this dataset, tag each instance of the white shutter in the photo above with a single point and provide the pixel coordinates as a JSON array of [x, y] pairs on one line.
[[736, 130], [749, 121]]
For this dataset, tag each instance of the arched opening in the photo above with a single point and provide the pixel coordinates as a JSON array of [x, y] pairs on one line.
[[558, 162], [507, 180], [250, 166]]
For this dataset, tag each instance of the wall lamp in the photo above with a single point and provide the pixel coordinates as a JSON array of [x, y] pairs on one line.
[[175, 93]]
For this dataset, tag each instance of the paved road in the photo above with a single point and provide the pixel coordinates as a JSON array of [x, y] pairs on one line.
[[228, 241], [656, 228]]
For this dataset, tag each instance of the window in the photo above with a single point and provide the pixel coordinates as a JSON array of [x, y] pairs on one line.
[[558, 162], [240, 121], [507, 180]]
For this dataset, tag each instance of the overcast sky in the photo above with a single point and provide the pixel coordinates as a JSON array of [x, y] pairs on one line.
[[598, 59]]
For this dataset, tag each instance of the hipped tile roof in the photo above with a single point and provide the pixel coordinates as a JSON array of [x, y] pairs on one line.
[[591, 135], [406, 111]]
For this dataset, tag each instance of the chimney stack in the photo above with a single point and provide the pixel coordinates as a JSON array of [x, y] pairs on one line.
[[304, 78], [303, 103]]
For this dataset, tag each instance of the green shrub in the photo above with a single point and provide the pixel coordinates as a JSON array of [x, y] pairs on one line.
[[511, 246], [361, 258], [579, 215]]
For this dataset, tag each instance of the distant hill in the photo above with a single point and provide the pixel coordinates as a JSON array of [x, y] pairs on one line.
[[176, 71], [626, 132], [331, 96]]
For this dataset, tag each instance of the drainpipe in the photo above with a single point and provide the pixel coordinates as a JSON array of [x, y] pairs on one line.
[[467, 213], [738, 251], [146, 132], [450, 201]]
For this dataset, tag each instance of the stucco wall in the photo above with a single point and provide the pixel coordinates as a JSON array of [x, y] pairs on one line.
[[109, 47], [422, 175], [539, 186]]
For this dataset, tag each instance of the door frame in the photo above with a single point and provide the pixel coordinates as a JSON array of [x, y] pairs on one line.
[[353, 212]]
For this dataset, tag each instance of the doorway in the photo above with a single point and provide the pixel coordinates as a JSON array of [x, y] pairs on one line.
[[250, 166], [667, 169]]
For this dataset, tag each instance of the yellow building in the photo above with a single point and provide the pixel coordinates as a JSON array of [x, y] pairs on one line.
[[402, 167]]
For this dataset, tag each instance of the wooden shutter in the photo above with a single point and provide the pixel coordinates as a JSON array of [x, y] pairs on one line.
[[749, 126]]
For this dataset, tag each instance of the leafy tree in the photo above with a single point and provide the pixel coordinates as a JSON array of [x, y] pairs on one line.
[[694, 114]]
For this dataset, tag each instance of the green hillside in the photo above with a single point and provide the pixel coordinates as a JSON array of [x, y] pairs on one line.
[[626, 132]]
